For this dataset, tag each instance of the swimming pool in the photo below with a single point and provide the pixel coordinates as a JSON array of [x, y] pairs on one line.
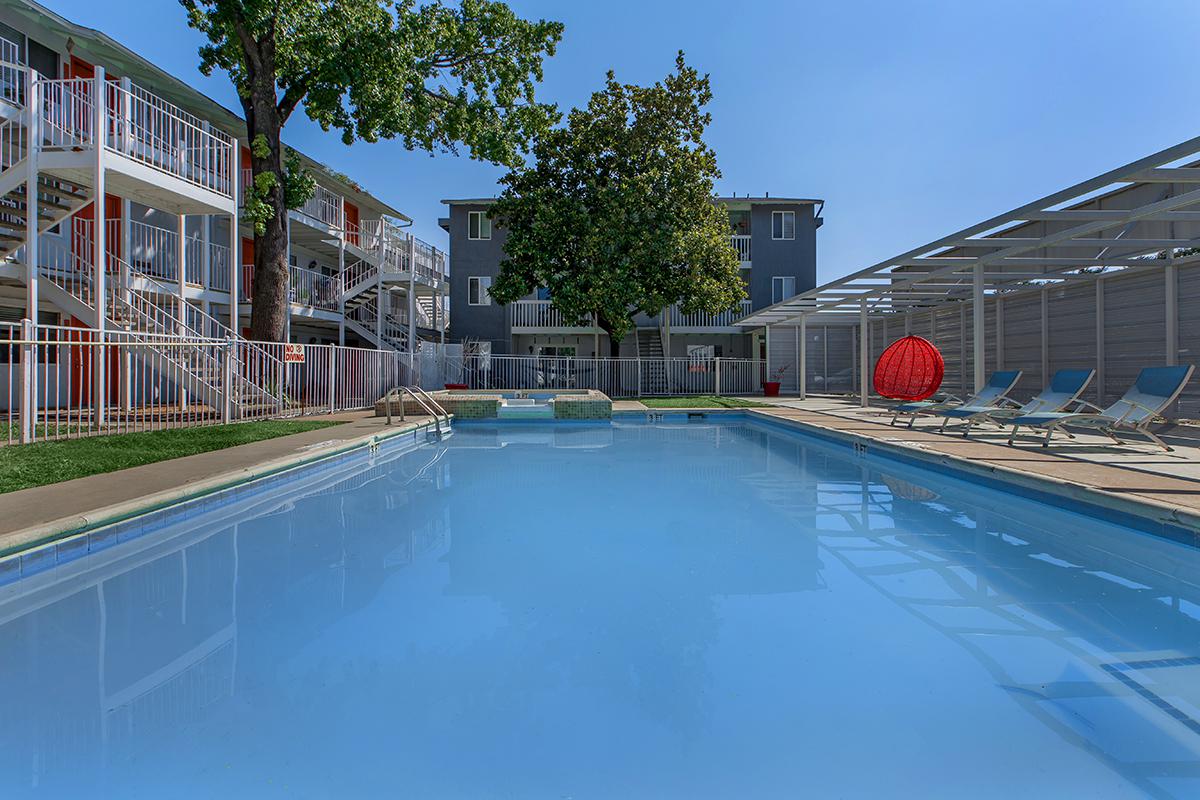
[[704, 608]]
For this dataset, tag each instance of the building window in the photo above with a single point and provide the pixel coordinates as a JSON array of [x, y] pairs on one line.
[[478, 225], [783, 224], [782, 287], [477, 291]]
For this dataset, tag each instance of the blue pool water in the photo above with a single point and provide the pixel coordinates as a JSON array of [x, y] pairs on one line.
[[672, 610]]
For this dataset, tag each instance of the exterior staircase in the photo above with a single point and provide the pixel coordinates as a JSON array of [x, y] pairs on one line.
[[654, 368], [66, 279], [67, 282], [361, 318]]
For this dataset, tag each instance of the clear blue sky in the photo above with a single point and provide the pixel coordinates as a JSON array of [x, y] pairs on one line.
[[910, 119]]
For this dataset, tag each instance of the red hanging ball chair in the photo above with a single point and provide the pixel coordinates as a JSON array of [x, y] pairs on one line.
[[909, 369]]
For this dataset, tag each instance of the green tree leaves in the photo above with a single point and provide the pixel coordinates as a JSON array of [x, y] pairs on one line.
[[435, 77], [616, 214]]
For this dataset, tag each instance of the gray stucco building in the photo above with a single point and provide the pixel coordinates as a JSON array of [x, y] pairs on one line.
[[775, 238]]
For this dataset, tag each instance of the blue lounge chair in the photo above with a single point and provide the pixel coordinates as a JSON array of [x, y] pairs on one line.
[[991, 396], [1154, 390], [1065, 387]]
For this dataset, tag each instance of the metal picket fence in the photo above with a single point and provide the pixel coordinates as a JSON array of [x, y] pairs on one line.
[[59, 382]]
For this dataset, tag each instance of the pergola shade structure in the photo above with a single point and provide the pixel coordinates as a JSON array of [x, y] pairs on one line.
[[1114, 253]]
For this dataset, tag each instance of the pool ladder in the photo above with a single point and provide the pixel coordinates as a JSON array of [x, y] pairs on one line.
[[430, 406]]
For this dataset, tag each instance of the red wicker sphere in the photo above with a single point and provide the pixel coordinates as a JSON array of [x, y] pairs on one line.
[[909, 369]]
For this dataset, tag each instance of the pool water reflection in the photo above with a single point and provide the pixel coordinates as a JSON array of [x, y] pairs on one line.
[[638, 610]]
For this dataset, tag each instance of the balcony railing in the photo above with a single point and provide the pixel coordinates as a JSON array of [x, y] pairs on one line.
[[313, 289], [140, 126], [324, 206], [742, 245], [12, 73], [540, 314], [430, 262]]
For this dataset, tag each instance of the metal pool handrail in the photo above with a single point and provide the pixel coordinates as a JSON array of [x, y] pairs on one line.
[[424, 400]]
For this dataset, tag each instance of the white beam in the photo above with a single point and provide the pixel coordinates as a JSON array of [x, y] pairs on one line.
[[864, 334], [977, 328]]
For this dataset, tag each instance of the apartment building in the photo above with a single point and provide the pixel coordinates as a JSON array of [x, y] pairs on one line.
[[776, 243], [81, 117]]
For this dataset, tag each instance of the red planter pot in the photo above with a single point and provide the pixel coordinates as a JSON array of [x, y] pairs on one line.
[[771, 388]]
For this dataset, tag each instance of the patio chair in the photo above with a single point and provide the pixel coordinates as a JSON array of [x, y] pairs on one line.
[[1065, 387], [1154, 390], [992, 395]]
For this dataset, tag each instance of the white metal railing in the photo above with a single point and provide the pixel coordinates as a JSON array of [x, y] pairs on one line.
[[62, 382], [148, 129], [13, 143], [140, 126], [12, 73], [67, 112], [741, 244], [152, 250], [358, 271], [429, 262], [616, 377], [218, 276], [313, 289], [324, 206], [701, 319], [540, 314]]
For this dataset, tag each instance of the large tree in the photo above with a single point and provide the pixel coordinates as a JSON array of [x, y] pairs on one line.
[[434, 76], [616, 214]]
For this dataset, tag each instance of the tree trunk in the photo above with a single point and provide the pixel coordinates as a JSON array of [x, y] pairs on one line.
[[268, 314], [614, 342], [264, 124]]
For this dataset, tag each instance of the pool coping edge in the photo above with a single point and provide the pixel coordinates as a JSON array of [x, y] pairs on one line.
[[33, 537], [1148, 509]]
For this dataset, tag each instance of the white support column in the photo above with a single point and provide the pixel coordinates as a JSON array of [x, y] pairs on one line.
[[767, 359], [287, 265], [180, 291], [181, 268], [126, 386], [802, 356], [235, 242], [206, 251], [412, 299], [1172, 322], [341, 290], [908, 323], [99, 251], [962, 348], [1100, 355], [977, 328], [864, 355], [379, 308], [1045, 336], [441, 312], [29, 393], [999, 333]]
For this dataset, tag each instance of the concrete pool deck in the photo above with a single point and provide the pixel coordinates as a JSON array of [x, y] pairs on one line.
[[40, 513]]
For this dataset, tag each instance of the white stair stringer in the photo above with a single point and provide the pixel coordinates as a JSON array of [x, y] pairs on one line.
[[361, 319], [199, 368]]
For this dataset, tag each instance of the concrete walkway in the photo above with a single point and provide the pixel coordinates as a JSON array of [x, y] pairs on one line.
[[30, 509]]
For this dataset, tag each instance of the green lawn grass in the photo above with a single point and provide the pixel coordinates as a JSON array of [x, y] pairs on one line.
[[23, 466], [701, 401]]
